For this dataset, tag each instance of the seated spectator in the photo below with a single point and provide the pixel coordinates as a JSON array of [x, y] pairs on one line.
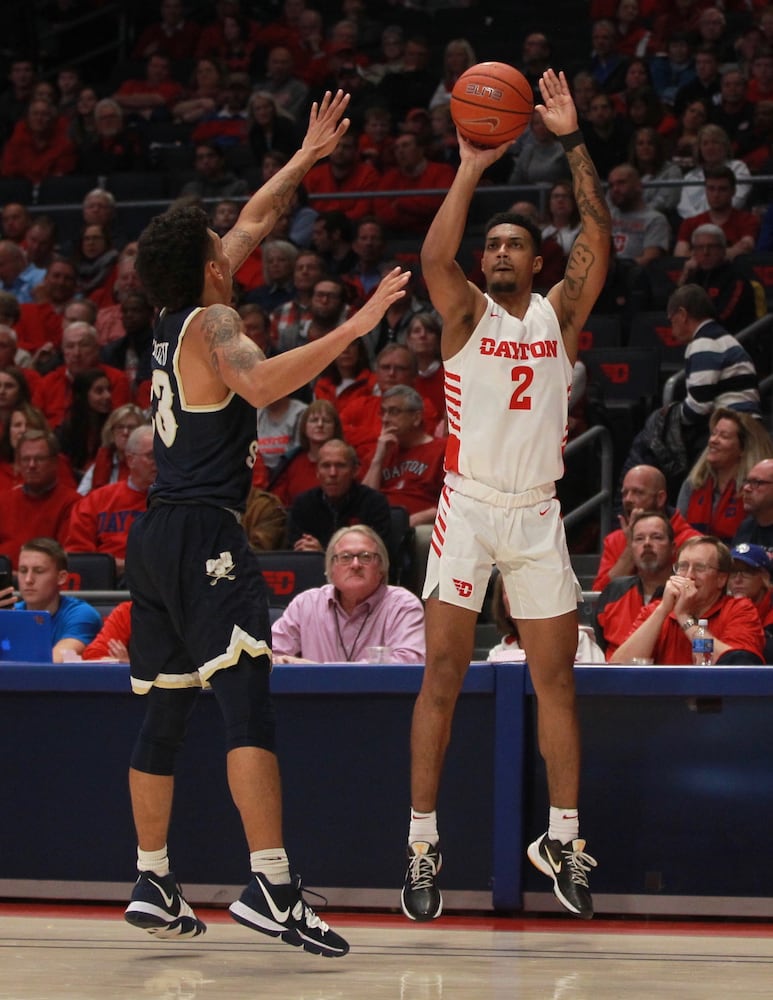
[[644, 488], [11, 355], [607, 63], [760, 86], [704, 86], [25, 417], [173, 35], [109, 319], [714, 149], [41, 504], [290, 93], [100, 521], [80, 432], [228, 123], [412, 171], [213, 34], [647, 154], [684, 141], [338, 501], [270, 126], [369, 247], [423, 338], [113, 146], [394, 324], [279, 258], [80, 352], [412, 85], [331, 238], [755, 146], [39, 146], [665, 628], [14, 392], [153, 96], [542, 160], [15, 98], [357, 610], [509, 648], [131, 354], [740, 227], [109, 465], [255, 323], [82, 127], [731, 293], [621, 600], [563, 218], [95, 260], [327, 310], [15, 221], [639, 234], [40, 323], [376, 142], [264, 521], [750, 577], [112, 641], [348, 377], [17, 276], [278, 429], [41, 574], [673, 69], [237, 45], [710, 497], [458, 56], [408, 464], [731, 110], [757, 495], [205, 93], [344, 171], [288, 320], [213, 179], [297, 472], [637, 75], [607, 135]]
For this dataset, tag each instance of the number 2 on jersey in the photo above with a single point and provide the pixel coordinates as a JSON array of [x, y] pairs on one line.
[[522, 376]]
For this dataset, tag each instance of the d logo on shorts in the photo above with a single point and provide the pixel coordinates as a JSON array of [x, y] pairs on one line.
[[463, 588]]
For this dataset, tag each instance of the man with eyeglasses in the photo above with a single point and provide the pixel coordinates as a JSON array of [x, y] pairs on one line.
[[356, 610], [664, 629], [709, 266], [757, 496], [750, 577], [41, 505]]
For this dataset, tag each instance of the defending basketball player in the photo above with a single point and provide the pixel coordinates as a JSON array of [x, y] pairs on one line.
[[508, 356]]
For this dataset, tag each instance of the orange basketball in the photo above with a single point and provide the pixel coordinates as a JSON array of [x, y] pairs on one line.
[[491, 103]]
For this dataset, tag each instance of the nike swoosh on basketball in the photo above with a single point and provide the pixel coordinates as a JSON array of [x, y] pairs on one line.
[[279, 915], [167, 898]]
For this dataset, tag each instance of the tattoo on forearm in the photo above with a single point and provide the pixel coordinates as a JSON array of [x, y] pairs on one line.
[[238, 245], [587, 189], [280, 198], [223, 336], [581, 260]]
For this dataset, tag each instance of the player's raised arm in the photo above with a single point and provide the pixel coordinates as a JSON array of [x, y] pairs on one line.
[[574, 297], [259, 215], [451, 294], [244, 368]]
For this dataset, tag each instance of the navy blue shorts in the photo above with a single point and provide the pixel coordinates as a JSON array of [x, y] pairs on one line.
[[199, 600]]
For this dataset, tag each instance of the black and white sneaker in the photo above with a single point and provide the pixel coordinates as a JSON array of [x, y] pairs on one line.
[[568, 865], [159, 907], [280, 911], [421, 899]]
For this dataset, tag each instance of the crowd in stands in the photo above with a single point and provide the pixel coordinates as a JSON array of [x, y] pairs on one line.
[[676, 105]]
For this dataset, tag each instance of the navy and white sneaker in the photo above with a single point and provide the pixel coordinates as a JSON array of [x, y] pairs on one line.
[[159, 907], [281, 911], [568, 865], [421, 899]]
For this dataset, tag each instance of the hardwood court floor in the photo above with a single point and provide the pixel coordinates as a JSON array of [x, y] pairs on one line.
[[85, 953]]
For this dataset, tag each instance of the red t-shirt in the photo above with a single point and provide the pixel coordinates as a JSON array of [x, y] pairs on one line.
[[413, 477], [26, 516], [54, 393], [117, 625], [320, 180], [101, 520], [738, 224]]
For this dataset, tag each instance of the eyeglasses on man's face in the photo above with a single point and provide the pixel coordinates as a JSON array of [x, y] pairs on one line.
[[347, 558], [756, 484], [683, 568]]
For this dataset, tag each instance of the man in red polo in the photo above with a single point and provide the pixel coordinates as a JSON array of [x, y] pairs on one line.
[[664, 630], [412, 213], [344, 171]]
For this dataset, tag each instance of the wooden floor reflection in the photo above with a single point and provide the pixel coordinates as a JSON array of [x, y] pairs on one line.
[[83, 953]]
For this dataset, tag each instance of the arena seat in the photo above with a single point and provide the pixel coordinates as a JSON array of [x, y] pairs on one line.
[[91, 571], [287, 573]]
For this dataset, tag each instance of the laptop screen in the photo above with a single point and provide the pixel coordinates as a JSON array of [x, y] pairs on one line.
[[25, 636]]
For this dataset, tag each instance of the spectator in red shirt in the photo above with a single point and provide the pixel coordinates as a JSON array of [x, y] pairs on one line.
[[81, 353], [80, 433], [298, 471], [110, 464], [41, 323], [171, 35], [155, 94], [41, 506], [39, 146], [411, 213], [424, 340], [112, 640], [741, 228], [288, 319], [407, 465], [101, 520], [213, 35], [15, 221], [664, 630], [761, 83], [344, 171], [348, 377]]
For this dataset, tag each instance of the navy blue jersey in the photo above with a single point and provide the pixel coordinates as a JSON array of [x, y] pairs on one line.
[[202, 452]]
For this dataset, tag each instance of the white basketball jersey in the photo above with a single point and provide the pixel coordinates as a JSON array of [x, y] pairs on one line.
[[507, 393]]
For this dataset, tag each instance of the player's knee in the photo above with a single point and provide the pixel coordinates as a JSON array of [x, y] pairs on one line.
[[163, 730], [244, 697]]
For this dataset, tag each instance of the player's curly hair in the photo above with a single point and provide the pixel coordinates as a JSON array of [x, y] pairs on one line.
[[515, 219], [171, 255]]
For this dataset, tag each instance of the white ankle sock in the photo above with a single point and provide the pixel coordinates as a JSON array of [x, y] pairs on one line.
[[423, 827], [273, 864], [564, 824], [153, 861]]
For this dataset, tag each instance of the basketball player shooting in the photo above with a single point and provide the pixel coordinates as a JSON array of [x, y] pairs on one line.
[[508, 357]]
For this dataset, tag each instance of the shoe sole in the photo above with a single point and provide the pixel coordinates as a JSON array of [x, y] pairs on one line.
[[293, 936], [425, 917], [164, 928], [534, 855]]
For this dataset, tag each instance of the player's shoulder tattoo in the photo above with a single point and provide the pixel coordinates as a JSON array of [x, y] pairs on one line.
[[222, 330]]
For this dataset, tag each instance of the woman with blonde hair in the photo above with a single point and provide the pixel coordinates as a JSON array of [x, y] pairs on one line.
[[298, 472], [714, 149], [109, 465], [459, 55], [710, 497]]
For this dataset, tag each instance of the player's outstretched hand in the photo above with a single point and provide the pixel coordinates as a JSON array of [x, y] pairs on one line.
[[558, 112], [390, 289], [326, 126], [480, 156]]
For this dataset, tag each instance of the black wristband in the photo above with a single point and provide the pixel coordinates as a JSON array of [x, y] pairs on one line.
[[571, 140]]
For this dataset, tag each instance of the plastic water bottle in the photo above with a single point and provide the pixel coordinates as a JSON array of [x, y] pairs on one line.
[[702, 645]]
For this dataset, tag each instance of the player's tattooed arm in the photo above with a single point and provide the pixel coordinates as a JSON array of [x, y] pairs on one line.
[[226, 344], [588, 193]]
